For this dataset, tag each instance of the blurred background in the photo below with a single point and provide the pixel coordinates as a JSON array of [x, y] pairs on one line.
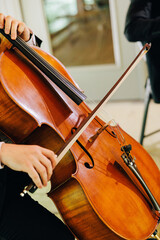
[[87, 37]]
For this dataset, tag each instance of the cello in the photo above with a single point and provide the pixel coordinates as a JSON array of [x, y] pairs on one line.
[[103, 186]]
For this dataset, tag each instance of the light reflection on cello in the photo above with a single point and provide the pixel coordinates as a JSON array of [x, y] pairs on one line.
[[104, 185]]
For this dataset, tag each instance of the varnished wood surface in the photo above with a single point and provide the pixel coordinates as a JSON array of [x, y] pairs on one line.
[[79, 215], [108, 192]]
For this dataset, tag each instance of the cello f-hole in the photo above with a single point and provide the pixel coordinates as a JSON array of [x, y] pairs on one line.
[[86, 164]]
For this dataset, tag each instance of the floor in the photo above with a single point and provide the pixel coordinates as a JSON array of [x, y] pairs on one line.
[[129, 116]]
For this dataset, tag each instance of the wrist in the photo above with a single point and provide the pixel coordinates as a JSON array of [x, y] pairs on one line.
[[32, 40]]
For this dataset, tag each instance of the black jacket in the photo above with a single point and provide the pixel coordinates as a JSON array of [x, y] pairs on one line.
[[143, 24], [17, 178]]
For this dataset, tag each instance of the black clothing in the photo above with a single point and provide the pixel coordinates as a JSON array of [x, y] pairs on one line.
[[143, 24], [23, 218], [3, 138]]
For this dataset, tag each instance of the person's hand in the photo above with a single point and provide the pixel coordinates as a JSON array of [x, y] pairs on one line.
[[38, 162], [14, 27]]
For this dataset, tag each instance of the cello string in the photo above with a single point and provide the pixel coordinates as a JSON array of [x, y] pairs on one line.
[[103, 101], [109, 120], [106, 98], [47, 66], [60, 77], [55, 72]]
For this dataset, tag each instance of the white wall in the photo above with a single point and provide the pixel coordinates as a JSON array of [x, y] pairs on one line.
[[98, 79], [34, 17], [94, 80], [11, 7]]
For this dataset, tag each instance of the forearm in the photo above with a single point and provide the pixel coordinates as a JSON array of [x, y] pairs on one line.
[[32, 41]]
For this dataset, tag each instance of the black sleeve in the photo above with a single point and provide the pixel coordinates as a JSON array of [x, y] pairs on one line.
[[38, 41], [140, 24]]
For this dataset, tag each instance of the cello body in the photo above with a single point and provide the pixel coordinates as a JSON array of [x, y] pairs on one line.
[[97, 200]]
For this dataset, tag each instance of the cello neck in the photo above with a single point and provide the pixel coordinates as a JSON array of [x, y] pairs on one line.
[[66, 86]]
